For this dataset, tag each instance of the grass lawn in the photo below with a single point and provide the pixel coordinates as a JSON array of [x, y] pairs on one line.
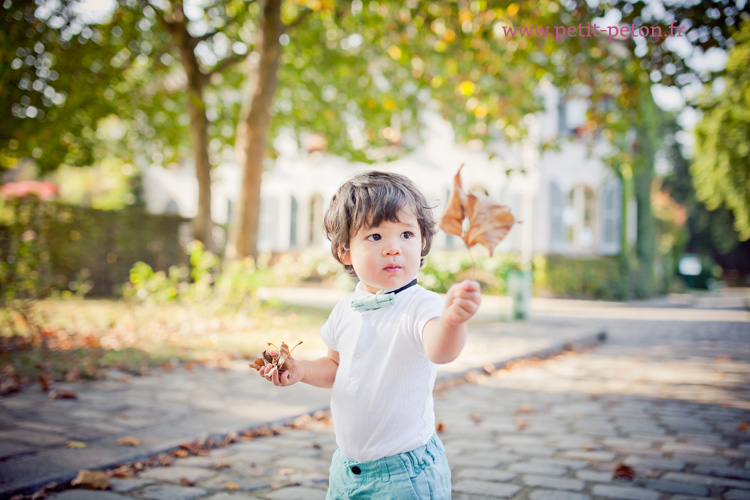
[[71, 339]]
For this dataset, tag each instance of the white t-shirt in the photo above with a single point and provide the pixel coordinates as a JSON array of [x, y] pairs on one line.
[[382, 396]]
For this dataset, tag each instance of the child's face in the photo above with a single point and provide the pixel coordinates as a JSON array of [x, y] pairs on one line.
[[386, 257]]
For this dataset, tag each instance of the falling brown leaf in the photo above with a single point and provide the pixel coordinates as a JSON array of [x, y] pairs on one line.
[[452, 221], [622, 471], [282, 359], [489, 221], [129, 441], [92, 479]]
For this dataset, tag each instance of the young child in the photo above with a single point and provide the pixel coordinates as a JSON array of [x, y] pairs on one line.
[[385, 341]]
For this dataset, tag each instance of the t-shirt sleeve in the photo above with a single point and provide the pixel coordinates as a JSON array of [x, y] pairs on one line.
[[328, 330], [428, 307]]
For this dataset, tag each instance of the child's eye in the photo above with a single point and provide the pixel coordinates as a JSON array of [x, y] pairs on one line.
[[373, 237], [407, 234]]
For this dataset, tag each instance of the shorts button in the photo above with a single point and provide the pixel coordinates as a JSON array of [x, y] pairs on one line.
[[356, 470]]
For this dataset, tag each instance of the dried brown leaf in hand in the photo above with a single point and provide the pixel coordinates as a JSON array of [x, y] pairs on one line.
[[489, 221], [282, 358]]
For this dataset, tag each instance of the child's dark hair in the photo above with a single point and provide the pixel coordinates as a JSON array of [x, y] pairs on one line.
[[367, 200]]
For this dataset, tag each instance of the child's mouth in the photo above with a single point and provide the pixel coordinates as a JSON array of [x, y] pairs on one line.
[[392, 269]]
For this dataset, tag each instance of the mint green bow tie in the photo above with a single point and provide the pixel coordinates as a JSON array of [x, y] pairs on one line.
[[380, 299]]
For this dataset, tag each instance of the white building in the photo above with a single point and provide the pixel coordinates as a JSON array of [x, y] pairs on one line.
[[569, 200]]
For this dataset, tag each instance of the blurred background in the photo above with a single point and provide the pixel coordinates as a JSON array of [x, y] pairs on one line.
[[165, 164]]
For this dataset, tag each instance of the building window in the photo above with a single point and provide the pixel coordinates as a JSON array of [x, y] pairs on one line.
[[314, 235], [580, 218], [611, 207], [557, 230], [293, 223]]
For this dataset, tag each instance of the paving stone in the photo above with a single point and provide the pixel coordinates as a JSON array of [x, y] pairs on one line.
[[486, 488], [591, 456], [175, 473], [654, 463], [688, 448], [483, 474], [676, 487], [706, 480], [537, 468], [559, 483], [77, 494], [11, 449], [171, 492], [737, 495], [231, 496], [731, 472], [296, 493], [125, 485], [624, 493], [557, 495]]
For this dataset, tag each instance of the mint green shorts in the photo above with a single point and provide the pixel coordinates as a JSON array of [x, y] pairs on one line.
[[419, 474]]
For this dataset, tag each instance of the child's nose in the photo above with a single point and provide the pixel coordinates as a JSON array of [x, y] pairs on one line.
[[391, 248]]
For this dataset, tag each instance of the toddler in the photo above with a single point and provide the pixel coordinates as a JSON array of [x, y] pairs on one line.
[[385, 341]]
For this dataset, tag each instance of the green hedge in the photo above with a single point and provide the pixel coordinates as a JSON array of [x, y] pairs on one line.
[[593, 278], [66, 246]]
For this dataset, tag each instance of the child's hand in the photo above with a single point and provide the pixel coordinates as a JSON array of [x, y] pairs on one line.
[[462, 302], [271, 373]]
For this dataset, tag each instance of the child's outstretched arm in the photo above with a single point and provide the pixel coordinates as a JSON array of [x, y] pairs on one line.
[[444, 337], [319, 372]]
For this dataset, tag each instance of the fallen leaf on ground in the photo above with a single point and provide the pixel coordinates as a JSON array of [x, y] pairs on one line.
[[129, 441], [520, 423], [186, 482], [476, 417], [232, 486], [123, 472], [622, 471], [743, 427], [524, 408], [440, 427], [489, 221], [281, 359], [63, 394], [75, 444], [92, 479]]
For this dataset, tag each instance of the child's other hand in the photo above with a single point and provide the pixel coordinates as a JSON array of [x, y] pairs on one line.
[[271, 373], [462, 302]]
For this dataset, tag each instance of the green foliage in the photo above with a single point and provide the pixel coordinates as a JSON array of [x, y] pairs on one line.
[[600, 278], [443, 269], [225, 286], [75, 249], [721, 169]]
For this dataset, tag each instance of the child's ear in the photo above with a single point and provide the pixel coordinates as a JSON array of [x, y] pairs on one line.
[[344, 257]]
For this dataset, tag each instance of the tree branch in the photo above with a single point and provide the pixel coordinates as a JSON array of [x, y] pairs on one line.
[[226, 63]]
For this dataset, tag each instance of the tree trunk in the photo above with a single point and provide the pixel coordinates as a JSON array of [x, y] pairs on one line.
[[196, 83], [252, 132]]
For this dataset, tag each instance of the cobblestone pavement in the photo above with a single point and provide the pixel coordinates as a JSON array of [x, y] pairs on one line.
[[669, 398]]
